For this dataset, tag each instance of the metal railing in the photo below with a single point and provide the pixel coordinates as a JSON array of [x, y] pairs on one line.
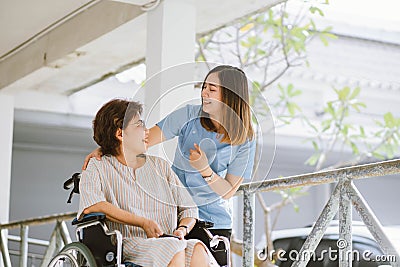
[[59, 237], [344, 195]]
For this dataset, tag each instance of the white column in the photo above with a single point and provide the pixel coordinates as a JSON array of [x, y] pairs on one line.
[[6, 138], [171, 36], [170, 50]]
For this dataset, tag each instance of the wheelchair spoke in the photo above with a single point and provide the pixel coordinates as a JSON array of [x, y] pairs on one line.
[[63, 260], [75, 254]]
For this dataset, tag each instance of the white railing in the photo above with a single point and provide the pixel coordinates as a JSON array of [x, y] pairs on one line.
[[344, 195]]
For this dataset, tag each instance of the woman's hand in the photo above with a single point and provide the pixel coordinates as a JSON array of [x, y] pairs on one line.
[[94, 154], [180, 232], [198, 159], [151, 228]]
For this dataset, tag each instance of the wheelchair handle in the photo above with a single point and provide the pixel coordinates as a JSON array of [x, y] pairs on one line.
[[70, 182]]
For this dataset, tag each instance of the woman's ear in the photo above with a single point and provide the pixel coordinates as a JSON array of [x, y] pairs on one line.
[[118, 134]]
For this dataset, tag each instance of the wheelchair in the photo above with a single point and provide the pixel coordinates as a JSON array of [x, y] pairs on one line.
[[97, 246]]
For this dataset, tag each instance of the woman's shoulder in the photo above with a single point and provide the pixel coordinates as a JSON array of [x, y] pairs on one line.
[[156, 161], [192, 110], [107, 162]]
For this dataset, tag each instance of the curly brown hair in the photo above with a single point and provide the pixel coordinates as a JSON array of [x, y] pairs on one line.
[[114, 115]]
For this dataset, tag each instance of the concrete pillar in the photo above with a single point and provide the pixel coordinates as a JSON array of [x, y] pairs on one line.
[[6, 139], [170, 52]]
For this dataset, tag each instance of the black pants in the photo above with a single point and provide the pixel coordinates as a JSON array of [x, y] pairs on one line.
[[219, 252]]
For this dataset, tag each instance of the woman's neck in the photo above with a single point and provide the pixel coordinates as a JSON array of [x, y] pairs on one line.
[[216, 124], [133, 162]]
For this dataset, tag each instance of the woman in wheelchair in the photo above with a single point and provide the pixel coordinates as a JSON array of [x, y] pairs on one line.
[[139, 194]]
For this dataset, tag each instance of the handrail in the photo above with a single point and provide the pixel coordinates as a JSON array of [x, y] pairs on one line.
[[324, 177], [59, 237], [39, 220], [344, 195]]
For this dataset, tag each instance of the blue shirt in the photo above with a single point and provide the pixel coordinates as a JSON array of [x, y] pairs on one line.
[[223, 158]]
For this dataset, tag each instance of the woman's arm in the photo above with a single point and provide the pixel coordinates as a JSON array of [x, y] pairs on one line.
[[227, 187], [184, 227], [156, 136], [224, 187], [116, 214]]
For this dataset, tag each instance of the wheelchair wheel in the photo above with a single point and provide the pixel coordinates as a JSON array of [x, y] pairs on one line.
[[75, 254]]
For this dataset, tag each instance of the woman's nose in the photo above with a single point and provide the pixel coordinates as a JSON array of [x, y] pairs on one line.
[[204, 93]]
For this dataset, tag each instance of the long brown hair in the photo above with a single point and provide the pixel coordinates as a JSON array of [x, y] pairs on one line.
[[114, 115], [236, 117]]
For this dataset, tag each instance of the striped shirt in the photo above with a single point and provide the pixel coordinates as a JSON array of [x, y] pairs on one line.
[[154, 192]]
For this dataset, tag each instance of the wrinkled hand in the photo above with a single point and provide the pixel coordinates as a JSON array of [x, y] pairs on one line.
[[151, 228], [94, 154], [198, 159], [180, 232]]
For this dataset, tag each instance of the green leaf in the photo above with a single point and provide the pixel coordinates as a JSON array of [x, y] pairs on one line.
[[355, 93], [354, 148], [313, 159], [379, 123], [344, 93], [261, 52], [296, 93], [283, 119], [361, 104], [345, 130], [378, 156], [355, 107], [389, 151], [289, 88], [362, 131], [326, 124], [329, 35], [292, 107], [296, 207], [256, 86], [245, 44], [323, 40], [315, 145], [313, 9], [389, 120]]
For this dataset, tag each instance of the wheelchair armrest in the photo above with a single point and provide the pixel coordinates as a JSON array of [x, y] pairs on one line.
[[204, 224], [91, 217]]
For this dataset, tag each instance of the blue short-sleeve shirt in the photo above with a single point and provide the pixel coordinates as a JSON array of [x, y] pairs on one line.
[[223, 158]]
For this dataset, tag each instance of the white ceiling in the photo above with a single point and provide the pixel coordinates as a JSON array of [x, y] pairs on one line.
[[60, 47]]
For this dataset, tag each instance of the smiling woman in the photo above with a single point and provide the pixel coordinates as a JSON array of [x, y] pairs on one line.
[[140, 195]]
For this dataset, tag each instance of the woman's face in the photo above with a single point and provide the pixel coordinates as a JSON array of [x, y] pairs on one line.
[[211, 95], [135, 137]]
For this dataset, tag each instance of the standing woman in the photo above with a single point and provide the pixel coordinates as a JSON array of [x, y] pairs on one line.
[[216, 145]]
